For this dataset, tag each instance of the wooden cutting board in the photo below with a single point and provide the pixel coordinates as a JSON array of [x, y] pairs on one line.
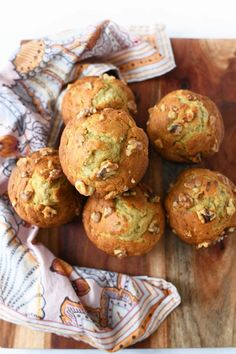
[[206, 278]]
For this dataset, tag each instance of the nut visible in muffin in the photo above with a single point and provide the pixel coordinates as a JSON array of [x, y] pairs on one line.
[[129, 225], [104, 153], [40, 192], [185, 126], [90, 94], [201, 206]]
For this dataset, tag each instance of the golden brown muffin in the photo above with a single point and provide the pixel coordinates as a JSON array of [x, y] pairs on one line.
[[202, 206], [185, 126], [104, 153], [129, 225], [91, 94], [40, 192]]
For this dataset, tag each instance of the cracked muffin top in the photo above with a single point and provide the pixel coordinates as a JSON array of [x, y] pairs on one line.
[[40, 192], [185, 126], [91, 94], [201, 206], [129, 225], [104, 153]]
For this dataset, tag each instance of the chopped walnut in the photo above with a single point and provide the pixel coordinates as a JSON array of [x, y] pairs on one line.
[[133, 144], [120, 253], [47, 152], [230, 209], [24, 174], [84, 188], [133, 180], [154, 227], [55, 174], [171, 114], [26, 195], [22, 161], [158, 143], [175, 129], [96, 216], [206, 215], [110, 195], [107, 211], [86, 112], [107, 170], [185, 200], [191, 184], [162, 107], [203, 244], [49, 212], [188, 234]]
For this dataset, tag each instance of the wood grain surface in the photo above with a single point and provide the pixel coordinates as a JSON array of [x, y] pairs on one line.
[[206, 278]]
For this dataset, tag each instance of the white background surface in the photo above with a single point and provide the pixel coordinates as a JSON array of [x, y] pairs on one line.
[[25, 19]]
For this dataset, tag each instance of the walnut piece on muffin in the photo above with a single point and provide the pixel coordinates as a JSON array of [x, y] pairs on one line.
[[104, 153], [201, 206], [185, 126], [90, 94], [129, 225], [40, 192]]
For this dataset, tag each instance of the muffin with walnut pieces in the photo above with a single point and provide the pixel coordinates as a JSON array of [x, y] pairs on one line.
[[91, 94], [201, 206], [129, 225], [185, 126], [40, 192], [104, 153]]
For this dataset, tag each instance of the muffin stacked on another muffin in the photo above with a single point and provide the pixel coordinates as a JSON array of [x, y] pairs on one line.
[[90, 94], [104, 153], [202, 206], [40, 192], [185, 126], [129, 225]]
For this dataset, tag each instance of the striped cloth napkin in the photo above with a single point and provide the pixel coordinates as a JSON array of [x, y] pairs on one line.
[[105, 309]]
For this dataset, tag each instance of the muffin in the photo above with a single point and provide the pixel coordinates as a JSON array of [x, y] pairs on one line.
[[185, 126], [40, 192], [104, 153], [91, 94], [129, 225], [201, 206]]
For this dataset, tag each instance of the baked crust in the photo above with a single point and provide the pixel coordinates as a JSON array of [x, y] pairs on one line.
[[201, 206], [185, 126], [104, 153], [91, 94], [129, 225], [40, 192]]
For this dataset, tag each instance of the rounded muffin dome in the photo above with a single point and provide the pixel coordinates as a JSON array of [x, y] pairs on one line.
[[40, 192], [91, 94], [201, 206], [129, 225], [185, 126], [104, 153]]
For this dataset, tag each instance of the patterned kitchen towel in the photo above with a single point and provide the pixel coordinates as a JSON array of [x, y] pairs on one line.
[[105, 309]]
